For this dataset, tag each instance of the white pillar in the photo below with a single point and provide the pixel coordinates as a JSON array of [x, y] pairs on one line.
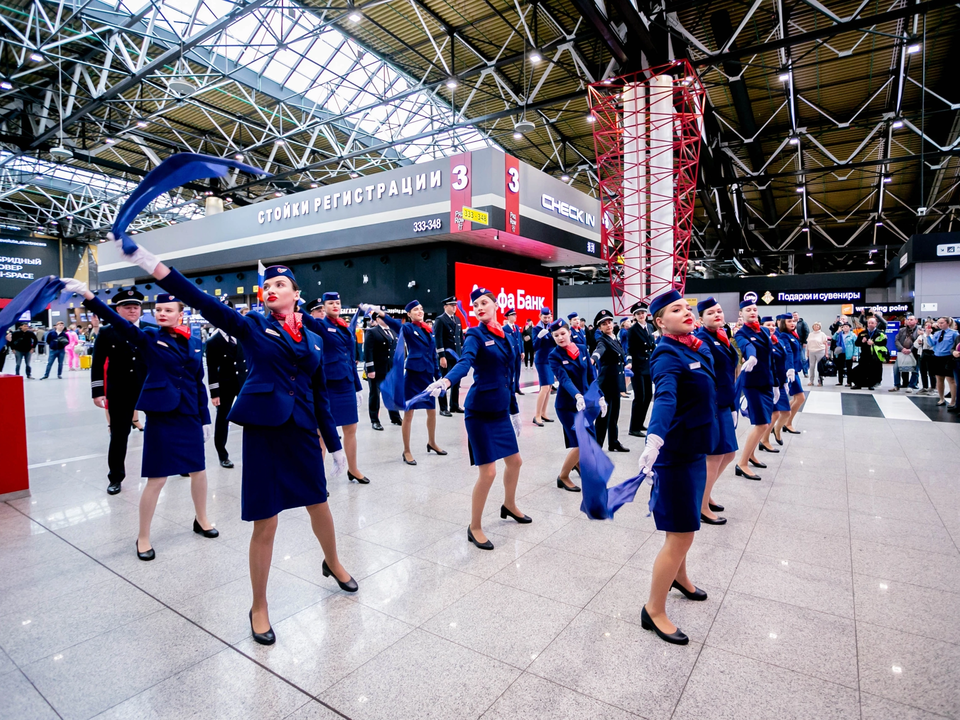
[[634, 192], [661, 173]]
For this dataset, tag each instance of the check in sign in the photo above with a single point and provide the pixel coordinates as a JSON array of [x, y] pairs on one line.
[[476, 216]]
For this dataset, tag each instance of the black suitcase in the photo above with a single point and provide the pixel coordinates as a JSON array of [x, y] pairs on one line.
[[826, 367]]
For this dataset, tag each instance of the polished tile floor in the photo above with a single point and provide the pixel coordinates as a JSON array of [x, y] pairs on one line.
[[834, 588]]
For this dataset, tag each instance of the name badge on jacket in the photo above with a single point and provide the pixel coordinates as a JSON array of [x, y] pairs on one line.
[[161, 342], [694, 366], [488, 343], [272, 332], [566, 362], [331, 329]]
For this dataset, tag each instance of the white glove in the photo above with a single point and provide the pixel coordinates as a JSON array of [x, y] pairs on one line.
[[734, 414], [207, 432], [650, 453], [750, 364], [74, 286], [438, 387], [791, 375], [581, 404], [776, 395], [365, 308], [515, 419], [141, 256], [542, 333], [603, 407], [339, 463]]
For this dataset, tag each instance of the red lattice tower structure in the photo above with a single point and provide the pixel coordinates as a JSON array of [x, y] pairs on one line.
[[647, 132]]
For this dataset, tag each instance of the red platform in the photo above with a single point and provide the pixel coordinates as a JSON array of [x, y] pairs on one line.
[[14, 477]]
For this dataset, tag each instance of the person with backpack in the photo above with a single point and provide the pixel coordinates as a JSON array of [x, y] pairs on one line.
[[57, 341]]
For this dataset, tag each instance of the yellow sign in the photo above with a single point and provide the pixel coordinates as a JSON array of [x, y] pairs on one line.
[[692, 301], [767, 297], [217, 292], [476, 216], [239, 291]]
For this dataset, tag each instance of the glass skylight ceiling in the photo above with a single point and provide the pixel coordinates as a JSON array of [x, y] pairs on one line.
[[302, 52]]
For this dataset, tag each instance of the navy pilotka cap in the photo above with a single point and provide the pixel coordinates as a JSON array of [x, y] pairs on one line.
[[411, 305], [661, 301], [165, 298], [785, 316], [705, 305], [767, 318], [571, 316], [128, 297], [557, 324], [331, 296], [545, 311], [276, 271], [479, 292]]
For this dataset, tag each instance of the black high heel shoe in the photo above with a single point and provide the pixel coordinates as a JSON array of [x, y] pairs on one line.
[[792, 432], [777, 438], [430, 449], [364, 480], [137, 426], [267, 638], [756, 464], [198, 528], [577, 468], [712, 521], [740, 472], [348, 586], [145, 556], [647, 623], [537, 423], [716, 508], [764, 448], [482, 545], [568, 488], [403, 456], [697, 593], [546, 419], [522, 519]]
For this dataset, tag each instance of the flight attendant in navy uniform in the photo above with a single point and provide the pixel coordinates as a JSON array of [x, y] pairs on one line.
[[572, 367], [781, 408], [577, 334], [515, 337], [609, 358], [492, 417], [683, 429], [787, 334], [281, 407], [226, 372], [420, 368], [640, 345], [542, 346], [174, 399], [448, 336], [725, 359], [344, 390], [759, 386]]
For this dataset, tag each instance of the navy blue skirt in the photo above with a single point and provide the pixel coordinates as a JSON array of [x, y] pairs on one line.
[[681, 487], [172, 445], [566, 418], [343, 402], [783, 402], [490, 436], [796, 386], [727, 442], [414, 383], [544, 374], [282, 469], [759, 405]]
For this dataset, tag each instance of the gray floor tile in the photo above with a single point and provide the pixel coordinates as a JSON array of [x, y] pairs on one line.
[[406, 532], [909, 669], [534, 698], [618, 650], [320, 645], [826, 479], [796, 583], [502, 622], [708, 565], [598, 539], [455, 551], [816, 548], [790, 517], [190, 575], [571, 579], [877, 708], [6, 664], [314, 710], [543, 526], [359, 557], [148, 650], [21, 699], [422, 676], [227, 685], [812, 643], [919, 510], [47, 581], [727, 685], [895, 605], [414, 590], [891, 531], [807, 496], [913, 492], [906, 565]]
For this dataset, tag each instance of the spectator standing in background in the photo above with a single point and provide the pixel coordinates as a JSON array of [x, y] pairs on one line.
[[817, 346], [57, 341], [905, 366], [873, 354], [845, 342], [23, 342], [925, 354], [528, 344], [803, 332], [945, 345]]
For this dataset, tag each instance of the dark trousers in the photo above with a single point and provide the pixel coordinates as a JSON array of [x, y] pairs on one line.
[[221, 425], [374, 403], [121, 416], [25, 357], [528, 354], [926, 371], [642, 395], [607, 426], [454, 390], [843, 367], [58, 356]]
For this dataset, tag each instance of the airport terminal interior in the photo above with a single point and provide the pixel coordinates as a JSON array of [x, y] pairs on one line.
[[549, 359]]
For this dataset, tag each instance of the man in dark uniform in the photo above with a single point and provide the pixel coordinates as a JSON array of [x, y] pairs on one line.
[[379, 345], [448, 334], [608, 359], [116, 376], [640, 345], [226, 373]]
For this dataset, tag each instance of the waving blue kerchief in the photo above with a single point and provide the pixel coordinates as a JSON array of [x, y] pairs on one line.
[[33, 299], [392, 386], [463, 313], [173, 172]]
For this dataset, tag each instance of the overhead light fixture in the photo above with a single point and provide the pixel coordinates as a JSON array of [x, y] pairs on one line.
[[355, 17], [887, 179], [879, 223], [354, 175], [799, 188], [565, 177], [897, 124], [524, 126], [61, 153], [141, 123], [110, 141], [794, 140], [809, 254], [452, 83], [912, 49], [36, 57], [278, 194], [591, 118], [238, 156], [806, 229], [313, 185], [181, 87], [870, 262], [6, 85], [279, 141], [517, 135], [535, 57], [784, 77]]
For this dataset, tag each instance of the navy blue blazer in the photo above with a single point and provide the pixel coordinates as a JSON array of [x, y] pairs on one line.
[[174, 379], [758, 345], [494, 368], [542, 347], [421, 350], [339, 351], [792, 349], [778, 357], [515, 336], [725, 361], [579, 336], [685, 411], [575, 376], [284, 378]]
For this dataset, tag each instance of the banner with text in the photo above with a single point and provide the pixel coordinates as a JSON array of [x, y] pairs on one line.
[[25, 259], [805, 297], [525, 292]]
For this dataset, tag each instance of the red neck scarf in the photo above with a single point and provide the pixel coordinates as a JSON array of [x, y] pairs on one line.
[[338, 321], [755, 326], [689, 340], [495, 327], [423, 326], [794, 333], [773, 337], [573, 351], [721, 335], [180, 330], [291, 324]]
